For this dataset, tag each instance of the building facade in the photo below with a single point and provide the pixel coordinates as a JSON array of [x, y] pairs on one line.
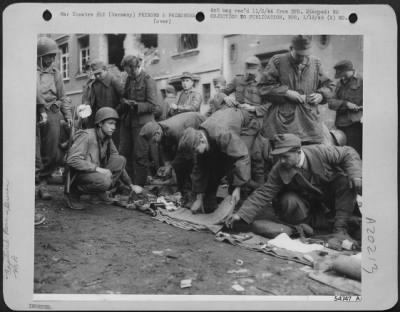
[[204, 55]]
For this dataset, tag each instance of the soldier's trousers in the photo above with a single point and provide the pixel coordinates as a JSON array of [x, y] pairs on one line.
[[294, 208], [94, 182], [136, 151], [50, 152]]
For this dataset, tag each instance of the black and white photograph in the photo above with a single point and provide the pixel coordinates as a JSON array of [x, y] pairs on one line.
[[199, 164], [229, 157]]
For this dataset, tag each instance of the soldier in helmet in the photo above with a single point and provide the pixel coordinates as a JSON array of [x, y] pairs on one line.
[[51, 102], [140, 101], [95, 162]]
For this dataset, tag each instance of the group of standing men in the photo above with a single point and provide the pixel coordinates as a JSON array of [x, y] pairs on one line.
[[263, 114]]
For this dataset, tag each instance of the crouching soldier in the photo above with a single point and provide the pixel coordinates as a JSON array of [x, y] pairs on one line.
[[218, 151], [304, 181], [94, 161], [167, 134]]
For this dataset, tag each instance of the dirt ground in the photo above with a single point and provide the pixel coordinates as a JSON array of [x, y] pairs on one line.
[[112, 250]]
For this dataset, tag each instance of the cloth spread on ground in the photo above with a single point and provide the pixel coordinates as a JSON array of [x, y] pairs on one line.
[[284, 241], [185, 219], [341, 283]]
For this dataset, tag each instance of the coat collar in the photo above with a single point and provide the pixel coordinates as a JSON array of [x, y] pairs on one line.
[[354, 81], [315, 166]]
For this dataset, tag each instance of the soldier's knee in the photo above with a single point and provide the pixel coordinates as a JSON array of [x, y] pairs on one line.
[[293, 209]]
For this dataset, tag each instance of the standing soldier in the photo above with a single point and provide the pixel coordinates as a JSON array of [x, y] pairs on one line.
[[348, 104], [247, 97], [50, 101], [295, 83], [138, 105], [217, 101], [189, 100]]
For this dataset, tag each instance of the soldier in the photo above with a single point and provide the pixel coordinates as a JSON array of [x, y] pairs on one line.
[[305, 180], [247, 97], [95, 162], [348, 104], [138, 105], [103, 91], [217, 101], [167, 134], [189, 100], [50, 101], [170, 99], [296, 84], [218, 151]]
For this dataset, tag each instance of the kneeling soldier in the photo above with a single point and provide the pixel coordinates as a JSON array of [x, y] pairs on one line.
[[94, 160], [167, 134], [302, 182]]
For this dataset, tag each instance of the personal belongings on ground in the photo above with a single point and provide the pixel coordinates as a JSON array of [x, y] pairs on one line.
[[237, 287], [270, 229], [186, 283], [213, 222], [284, 241]]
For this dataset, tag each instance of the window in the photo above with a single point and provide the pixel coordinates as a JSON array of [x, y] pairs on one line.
[[324, 41], [232, 53], [64, 63], [187, 42], [149, 40], [84, 54]]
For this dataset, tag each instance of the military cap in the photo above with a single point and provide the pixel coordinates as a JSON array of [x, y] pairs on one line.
[[187, 75], [285, 142], [189, 141], [219, 79], [342, 67], [254, 60], [302, 44], [149, 129], [97, 66], [170, 89]]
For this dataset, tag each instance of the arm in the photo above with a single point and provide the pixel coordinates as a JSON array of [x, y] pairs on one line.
[[334, 102], [234, 147], [199, 174], [193, 105], [344, 157], [65, 105], [151, 97], [78, 152], [270, 83], [261, 198], [325, 85]]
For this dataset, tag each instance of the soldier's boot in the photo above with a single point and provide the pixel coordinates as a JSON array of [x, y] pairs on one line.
[[102, 198], [43, 191]]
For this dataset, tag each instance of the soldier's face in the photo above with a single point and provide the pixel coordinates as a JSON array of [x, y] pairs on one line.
[[187, 83], [47, 60], [218, 87], [201, 148], [289, 159], [252, 69], [108, 126], [157, 136]]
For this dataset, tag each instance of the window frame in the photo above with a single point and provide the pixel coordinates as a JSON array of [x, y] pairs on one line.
[[64, 74]]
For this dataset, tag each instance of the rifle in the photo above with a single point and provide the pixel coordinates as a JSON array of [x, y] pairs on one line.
[[67, 171]]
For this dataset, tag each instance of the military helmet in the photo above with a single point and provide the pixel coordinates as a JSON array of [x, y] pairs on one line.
[[339, 137], [46, 46], [105, 113]]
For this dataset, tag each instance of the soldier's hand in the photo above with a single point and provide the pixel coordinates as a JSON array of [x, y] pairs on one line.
[[248, 107], [43, 117], [229, 101], [235, 196], [197, 206], [164, 171], [231, 219], [352, 106], [356, 183], [315, 98], [295, 96], [104, 171], [69, 123], [173, 106], [136, 188]]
